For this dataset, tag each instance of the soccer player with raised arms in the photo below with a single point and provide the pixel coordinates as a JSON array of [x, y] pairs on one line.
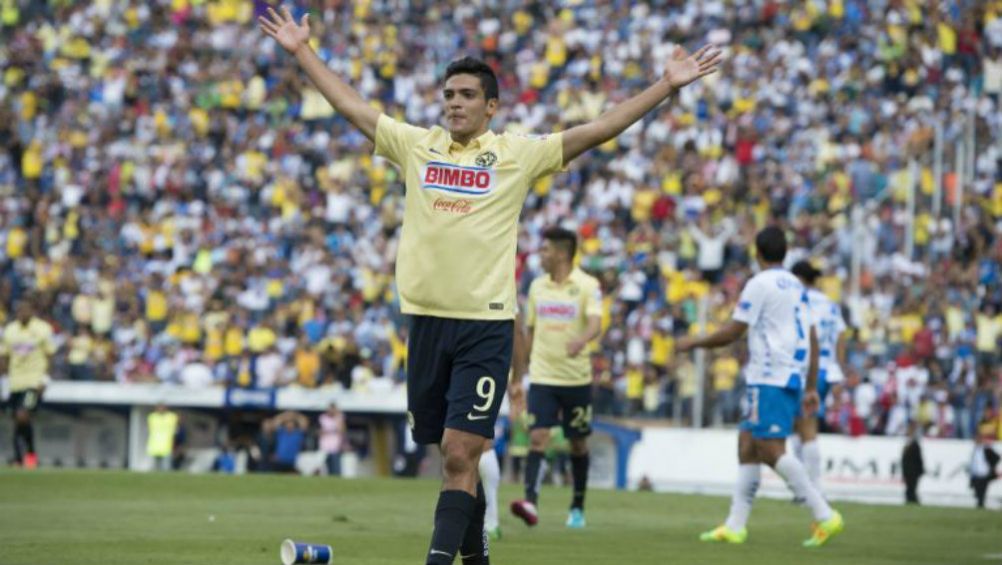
[[781, 374], [563, 314], [464, 189]]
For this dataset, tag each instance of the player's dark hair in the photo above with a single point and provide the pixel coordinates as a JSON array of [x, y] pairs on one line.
[[805, 271], [562, 238], [479, 69], [771, 245]]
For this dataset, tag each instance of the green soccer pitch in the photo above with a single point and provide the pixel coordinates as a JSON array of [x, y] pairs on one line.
[[119, 518]]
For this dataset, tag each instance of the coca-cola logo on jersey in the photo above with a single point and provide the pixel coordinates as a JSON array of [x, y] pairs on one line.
[[461, 206]]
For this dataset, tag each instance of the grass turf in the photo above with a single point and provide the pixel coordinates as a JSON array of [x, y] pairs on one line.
[[120, 518]]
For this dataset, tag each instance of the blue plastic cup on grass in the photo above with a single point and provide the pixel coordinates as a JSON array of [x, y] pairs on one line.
[[296, 552]]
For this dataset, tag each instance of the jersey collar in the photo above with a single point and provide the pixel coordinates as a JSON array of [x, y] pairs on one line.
[[570, 278], [477, 143]]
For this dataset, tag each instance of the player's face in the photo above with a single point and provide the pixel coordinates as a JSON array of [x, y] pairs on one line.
[[549, 256], [24, 312], [467, 110]]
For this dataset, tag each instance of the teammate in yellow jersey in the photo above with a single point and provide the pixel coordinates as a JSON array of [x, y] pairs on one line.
[[563, 314], [465, 187], [26, 348]]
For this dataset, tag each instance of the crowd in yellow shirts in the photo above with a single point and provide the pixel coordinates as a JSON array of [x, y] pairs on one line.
[[190, 210]]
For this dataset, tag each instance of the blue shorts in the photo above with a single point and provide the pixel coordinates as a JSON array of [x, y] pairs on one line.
[[457, 374], [770, 411]]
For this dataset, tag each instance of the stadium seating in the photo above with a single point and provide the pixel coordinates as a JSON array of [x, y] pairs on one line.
[[190, 210]]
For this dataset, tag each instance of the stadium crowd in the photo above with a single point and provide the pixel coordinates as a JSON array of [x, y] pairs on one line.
[[186, 208]]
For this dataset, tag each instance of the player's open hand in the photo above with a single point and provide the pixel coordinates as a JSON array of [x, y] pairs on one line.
[[811, 402], [684, 68], [284, 29]]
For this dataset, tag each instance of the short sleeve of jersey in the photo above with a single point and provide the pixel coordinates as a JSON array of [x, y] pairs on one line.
[[840, 325], [750, 303], [808, 316], [593, 301], [394, 139], [813, 321], [530, 306], [4, 346], [539, 156]]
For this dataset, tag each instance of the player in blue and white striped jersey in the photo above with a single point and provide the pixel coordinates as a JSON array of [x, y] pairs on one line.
[[830, 327], [781, 374]]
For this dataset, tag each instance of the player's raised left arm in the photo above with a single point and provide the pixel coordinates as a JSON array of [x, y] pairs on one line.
[[680, 70], [295, 39]]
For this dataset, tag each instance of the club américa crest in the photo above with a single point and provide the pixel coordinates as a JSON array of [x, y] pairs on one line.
[[487, 159]]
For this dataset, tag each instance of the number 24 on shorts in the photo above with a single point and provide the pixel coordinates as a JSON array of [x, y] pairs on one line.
[[581, 417]]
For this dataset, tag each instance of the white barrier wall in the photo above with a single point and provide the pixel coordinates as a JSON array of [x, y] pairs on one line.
[[866, 469], [103, 424]]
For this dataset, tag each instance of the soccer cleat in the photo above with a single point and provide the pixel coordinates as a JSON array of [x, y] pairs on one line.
[[725, 535], [526, 511], [576, 519], [826, 530], [31, 461], [494, 533]]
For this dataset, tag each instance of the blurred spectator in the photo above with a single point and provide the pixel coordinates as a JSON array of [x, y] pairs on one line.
[[912, 465], [711, 242], [725, 370], [289, 437], [226, 461], [162, 426], [79, 357], [984, 461], [332, 438], [307, 364]]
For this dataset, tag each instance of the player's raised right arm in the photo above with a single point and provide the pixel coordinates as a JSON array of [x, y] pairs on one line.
[[295, 39]]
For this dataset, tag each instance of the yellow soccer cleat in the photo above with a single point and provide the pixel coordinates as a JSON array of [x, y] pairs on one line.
[[826, 530], [723, 534]]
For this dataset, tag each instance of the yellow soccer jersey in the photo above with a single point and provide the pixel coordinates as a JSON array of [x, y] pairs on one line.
[[457, 247], [558, 314], [28, 348]]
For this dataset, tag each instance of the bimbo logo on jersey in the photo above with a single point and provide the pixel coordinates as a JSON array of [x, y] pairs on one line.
[[453, 178], [556, 310]]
